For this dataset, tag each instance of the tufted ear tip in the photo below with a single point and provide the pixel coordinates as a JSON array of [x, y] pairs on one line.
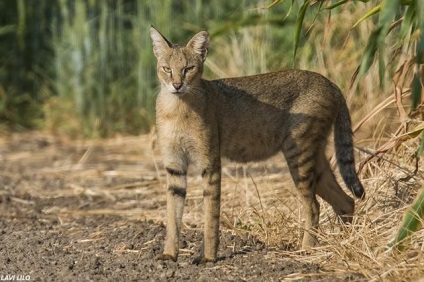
[[152, 29]]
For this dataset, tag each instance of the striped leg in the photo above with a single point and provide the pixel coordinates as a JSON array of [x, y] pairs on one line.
[[301, 164], [175, 197], [212, 195], [306, 188]]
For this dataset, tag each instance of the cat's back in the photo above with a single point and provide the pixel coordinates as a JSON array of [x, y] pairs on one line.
[[277, 85]]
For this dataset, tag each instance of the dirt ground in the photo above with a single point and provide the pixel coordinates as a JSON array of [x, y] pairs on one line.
[[93, 211]]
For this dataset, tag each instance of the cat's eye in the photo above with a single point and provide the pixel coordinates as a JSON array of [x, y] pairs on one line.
[[167, 70], [188, 69]]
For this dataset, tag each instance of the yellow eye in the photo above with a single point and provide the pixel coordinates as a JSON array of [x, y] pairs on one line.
[[167, 70], [188, 69]]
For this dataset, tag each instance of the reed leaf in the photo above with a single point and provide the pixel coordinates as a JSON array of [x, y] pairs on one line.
[[298, 25], [335, 5], [273, 4], [407, 23], [416, 90], [370, 13], [369, 53], [387, 16], [412, 221], [419, 5]]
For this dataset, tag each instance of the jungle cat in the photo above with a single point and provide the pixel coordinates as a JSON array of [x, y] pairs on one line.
[[247, 119]]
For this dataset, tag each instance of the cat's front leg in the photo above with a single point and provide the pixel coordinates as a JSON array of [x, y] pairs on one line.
[[176, 187], [211, 174]]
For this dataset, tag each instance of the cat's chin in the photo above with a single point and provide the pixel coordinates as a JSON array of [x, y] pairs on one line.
[[178, 93]]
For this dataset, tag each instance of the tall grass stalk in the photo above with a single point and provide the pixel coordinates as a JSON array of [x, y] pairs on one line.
[[98, 70], [101, 80], [105, 74]]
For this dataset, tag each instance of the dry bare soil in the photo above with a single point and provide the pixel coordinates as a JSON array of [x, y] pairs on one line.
[[93, 211]]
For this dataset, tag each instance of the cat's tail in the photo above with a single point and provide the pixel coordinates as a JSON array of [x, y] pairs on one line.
[[344, 150]]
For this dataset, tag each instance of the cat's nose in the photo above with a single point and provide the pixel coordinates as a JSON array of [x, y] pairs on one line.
[[177, 85]]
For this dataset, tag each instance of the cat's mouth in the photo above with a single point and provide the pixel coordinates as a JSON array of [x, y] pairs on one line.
[[180, 91]]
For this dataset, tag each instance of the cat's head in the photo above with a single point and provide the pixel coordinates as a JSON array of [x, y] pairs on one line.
[[179, 68]]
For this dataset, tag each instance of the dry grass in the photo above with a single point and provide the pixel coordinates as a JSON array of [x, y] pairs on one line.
[[257, 199], [265, 205], [118, 177]]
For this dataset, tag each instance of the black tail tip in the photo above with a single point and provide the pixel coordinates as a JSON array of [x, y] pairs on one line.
[[358, 191]]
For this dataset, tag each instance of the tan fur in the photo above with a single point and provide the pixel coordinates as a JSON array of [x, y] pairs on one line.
[[247, 119]]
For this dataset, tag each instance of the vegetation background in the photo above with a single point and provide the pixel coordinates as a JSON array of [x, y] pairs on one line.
[[85, 69]]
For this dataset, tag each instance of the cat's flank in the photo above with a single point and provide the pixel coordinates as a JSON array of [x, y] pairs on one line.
[[247, 119]]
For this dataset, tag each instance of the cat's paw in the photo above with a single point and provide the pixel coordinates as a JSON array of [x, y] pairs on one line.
[[202, 260], [166, 257]]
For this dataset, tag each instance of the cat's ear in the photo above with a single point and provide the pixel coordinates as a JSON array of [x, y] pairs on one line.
[[200, 43], [160, 43]]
